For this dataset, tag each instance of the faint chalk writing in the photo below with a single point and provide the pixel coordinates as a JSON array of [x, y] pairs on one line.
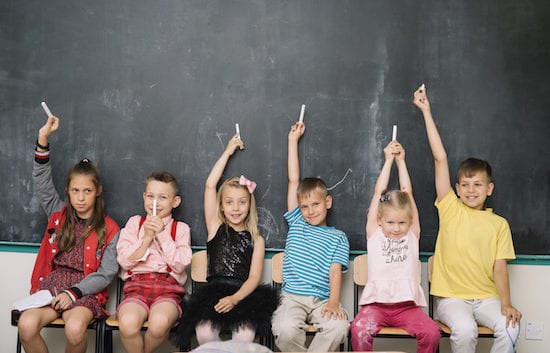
[[341, 180], [267, 224]]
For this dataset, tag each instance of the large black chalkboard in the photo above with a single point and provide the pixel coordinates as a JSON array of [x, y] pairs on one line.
[[146, 85]]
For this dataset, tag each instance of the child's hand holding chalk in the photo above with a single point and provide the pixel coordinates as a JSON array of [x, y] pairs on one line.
[[234, 143], [237, 135], [51, 125], [421, 99]]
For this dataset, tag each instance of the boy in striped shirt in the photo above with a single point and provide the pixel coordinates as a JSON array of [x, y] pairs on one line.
[[315, 257]]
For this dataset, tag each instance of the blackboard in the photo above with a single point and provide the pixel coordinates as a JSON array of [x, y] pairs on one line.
[[146, 85]]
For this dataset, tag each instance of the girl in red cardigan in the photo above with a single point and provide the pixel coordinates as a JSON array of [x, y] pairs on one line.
[[77, 257]]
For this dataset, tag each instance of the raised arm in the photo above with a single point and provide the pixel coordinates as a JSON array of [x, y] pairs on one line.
[[43, 185], [441, 164], [379, 187], [405, 185], [210, 204], [296, 132]]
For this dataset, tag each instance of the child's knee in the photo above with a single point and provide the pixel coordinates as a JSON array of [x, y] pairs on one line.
[[206, 333], [430, 333], [158, 330], [336, 325], [129, 325], [464, 332], [27, 327], [244, 334], [159, 325], [285, 329], [363, 325], [76, 332]]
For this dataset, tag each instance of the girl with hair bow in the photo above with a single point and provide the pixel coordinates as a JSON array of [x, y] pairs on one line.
[[233, 298]]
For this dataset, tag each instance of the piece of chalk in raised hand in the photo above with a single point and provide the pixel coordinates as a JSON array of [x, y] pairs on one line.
[[46, 109], [423, 87], [394, 133], [302, 113], [154, 207], [237, 130]]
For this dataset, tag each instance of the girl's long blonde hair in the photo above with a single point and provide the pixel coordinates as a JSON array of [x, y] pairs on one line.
[[251, 220]]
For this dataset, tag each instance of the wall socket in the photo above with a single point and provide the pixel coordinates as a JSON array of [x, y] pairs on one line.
[[534, 330]]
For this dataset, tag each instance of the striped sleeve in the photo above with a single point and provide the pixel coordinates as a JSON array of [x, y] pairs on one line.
[[41, 157]]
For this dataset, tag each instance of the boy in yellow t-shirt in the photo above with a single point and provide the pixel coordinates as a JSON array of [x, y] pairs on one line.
[[470, 277]]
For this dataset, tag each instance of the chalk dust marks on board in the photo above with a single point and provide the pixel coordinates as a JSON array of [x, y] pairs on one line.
[[125, 102], [267, 224], [376, 128]]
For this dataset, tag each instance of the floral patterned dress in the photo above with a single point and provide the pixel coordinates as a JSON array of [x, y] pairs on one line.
[[68, 270]]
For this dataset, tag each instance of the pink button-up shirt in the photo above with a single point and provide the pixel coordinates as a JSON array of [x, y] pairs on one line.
[[164, 255]]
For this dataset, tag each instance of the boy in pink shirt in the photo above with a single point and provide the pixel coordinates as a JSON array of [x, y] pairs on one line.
[[153, 252]]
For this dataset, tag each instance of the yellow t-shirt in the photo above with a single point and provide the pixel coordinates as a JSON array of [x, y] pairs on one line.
[[468, 243]]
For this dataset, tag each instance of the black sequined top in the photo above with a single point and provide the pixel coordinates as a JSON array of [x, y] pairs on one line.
[[229, 254]]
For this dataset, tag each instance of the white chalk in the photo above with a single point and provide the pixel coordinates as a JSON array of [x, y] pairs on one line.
[[46, 109], [302, 113], [237, 130], [423, 87], [154, 207], [394, 133]]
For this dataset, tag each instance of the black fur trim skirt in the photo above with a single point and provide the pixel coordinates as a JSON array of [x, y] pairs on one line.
[[254, 311]]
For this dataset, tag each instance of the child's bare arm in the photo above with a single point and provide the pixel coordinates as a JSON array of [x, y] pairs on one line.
[[502, 283], [226, 304], [296, 131], [379, 187], [441, 165], [332, 308], [210, 204], [405, 185]]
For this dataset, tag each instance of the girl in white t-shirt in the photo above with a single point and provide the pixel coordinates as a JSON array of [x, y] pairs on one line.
[[393, 295]]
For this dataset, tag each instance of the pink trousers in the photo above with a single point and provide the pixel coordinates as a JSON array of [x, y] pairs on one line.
[[372, 317]]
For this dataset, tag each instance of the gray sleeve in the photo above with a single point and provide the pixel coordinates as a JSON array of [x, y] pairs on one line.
[[44, 189], [107, 271]]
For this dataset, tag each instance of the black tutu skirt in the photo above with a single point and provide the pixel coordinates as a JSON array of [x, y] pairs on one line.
[[254, 311]]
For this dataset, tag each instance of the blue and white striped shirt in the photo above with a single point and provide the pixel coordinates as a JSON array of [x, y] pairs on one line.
[[309, 253]]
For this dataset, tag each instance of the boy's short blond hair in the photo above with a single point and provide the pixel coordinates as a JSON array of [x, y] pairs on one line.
[[471, 166], [164, 177], [309, 185]]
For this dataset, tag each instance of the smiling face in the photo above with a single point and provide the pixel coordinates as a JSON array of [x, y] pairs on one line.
[[82, 194], [235, 205], [165, 196], [395, 222], [474, 190], [314, 207]]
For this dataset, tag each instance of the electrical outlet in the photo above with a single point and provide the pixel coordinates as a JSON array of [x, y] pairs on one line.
[[534, 330]]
